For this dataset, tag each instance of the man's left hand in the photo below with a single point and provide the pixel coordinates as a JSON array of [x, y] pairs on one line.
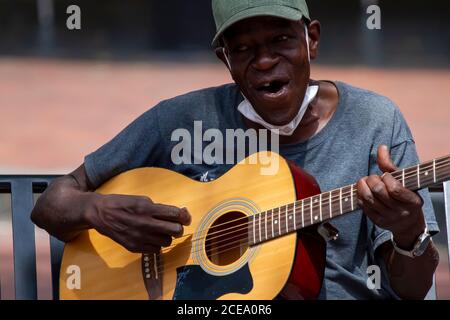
[[390, 205]]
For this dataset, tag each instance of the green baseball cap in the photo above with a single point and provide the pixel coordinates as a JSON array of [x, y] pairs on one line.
[[228, 12]]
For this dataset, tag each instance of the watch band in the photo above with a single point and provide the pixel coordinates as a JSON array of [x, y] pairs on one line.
[[419, 247]]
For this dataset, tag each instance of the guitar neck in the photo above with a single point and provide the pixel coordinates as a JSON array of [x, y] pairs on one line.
[[291, 217]]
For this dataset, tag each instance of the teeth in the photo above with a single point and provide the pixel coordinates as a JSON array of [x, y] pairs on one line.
[[266, 84]]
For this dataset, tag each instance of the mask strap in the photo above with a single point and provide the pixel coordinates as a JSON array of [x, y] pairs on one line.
[[307, 42], [226, 58]]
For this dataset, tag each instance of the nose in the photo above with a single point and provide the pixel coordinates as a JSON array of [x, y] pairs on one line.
[[264, 59]]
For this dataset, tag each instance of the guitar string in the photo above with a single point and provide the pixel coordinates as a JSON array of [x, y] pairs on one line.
[[237, 244], [334, 197], [246, 244], [165, 250], [283, 215], [233, 237], [334, 200], [224, 248]]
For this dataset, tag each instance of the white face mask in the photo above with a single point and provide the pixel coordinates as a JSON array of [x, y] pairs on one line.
[[250, 113]]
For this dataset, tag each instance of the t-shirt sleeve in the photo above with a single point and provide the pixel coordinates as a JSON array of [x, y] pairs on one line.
[[138, 145], [404, 154]]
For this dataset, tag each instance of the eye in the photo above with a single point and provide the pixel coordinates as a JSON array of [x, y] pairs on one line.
[[242, 48], [281, 38]]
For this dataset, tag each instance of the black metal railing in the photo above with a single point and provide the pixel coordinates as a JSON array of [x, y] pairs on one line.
[[30, 259]]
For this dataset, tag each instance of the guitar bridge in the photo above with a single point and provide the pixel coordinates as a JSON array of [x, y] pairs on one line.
[[152, 276], [150, 265]]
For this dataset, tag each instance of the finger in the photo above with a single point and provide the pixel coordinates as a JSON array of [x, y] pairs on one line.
[[384, 159], [380, 192], [173, 229], [367, 204], [366, 199], [401, 194], [139, 204], [172, 213]]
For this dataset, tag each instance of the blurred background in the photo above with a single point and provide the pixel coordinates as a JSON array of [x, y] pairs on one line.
[[64, 93]]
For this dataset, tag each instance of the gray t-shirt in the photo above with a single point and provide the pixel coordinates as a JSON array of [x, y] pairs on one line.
[[341, 153]]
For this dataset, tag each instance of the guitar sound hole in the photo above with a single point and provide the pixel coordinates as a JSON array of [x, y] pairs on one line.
[[227, 238]]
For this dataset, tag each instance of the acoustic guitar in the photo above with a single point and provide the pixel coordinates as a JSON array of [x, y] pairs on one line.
[[252, 236]]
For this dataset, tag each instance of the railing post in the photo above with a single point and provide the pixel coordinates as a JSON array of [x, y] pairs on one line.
[[447, 215], [29, 258], [23, 237], [46, 20]]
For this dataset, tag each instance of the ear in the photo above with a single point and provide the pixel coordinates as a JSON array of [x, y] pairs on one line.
[[314, 38], [221, 55]]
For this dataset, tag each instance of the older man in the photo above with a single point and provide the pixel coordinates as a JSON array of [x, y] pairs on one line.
[[336, 132]]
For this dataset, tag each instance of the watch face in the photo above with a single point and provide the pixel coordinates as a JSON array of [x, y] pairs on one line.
[[423, 245]]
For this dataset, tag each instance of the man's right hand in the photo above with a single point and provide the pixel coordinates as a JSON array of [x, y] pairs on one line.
[[68, 206], [136, 222]]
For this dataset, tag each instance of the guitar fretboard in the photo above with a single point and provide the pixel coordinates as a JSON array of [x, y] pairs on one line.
[[303, 213]]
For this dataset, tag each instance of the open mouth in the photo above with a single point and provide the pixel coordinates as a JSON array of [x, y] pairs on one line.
[[273, 87]]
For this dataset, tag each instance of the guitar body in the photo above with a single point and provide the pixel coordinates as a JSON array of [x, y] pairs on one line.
[[199, 265]]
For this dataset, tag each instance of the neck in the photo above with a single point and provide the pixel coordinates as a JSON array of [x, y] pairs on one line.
[[319, 113], [303, 213]]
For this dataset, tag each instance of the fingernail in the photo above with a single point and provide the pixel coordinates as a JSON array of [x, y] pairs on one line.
[[187, 215]]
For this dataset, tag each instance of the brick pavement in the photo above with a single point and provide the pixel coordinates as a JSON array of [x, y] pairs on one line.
[[52, 112]]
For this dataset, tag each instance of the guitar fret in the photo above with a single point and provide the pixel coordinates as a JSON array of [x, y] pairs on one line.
[[279, 222], [340, 199], [418, 176], [271, 213], [311, 209], [434, 170], [254, 229], [303, 215], [329, 204], [265, 224], [320, 206], [403, 177], [351, 196], [295, 213], [287, 214], [260, 238]]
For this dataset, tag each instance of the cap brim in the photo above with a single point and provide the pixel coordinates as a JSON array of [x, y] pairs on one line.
[[269, 10]]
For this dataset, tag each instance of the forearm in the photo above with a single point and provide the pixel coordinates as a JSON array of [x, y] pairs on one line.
[[411, 278], [62, 209]]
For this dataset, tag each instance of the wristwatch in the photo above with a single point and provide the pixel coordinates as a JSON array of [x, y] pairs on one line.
[[419, 247]]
